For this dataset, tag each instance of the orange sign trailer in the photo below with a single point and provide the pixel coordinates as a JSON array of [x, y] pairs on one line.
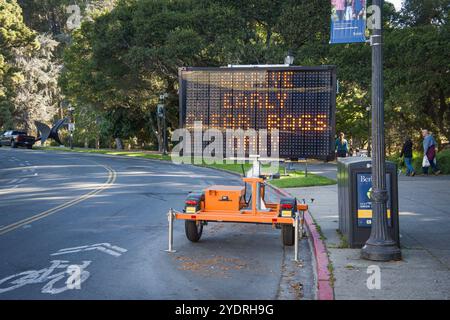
[[228, 204]]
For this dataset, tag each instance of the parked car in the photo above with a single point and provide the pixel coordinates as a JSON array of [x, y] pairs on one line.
[[15, 138]]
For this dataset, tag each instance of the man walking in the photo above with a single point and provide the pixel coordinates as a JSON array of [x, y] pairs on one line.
[[429, 150]]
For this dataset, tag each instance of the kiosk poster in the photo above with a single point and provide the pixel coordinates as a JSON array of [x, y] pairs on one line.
[[364, 205], [348, 21]]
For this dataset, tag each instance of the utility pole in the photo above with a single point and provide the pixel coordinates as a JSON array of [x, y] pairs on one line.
[[380, 246]]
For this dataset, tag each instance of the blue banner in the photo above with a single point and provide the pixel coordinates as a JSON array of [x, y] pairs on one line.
[[348, 21]]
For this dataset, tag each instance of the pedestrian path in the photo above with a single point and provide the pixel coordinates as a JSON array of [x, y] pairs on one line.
[[424, 272]]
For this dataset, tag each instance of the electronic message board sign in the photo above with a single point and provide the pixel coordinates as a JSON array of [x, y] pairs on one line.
[[298, 101]]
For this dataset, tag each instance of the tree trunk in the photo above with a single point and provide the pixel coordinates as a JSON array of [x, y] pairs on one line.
[[119, 145]]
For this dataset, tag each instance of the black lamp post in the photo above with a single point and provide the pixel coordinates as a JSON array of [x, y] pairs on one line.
[[161, 113], [379, 246]]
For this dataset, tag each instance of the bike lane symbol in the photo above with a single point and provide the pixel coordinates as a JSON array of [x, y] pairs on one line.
[[70, 276], [61, 275]]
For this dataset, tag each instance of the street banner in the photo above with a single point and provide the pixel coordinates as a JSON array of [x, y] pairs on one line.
[[348, 21]]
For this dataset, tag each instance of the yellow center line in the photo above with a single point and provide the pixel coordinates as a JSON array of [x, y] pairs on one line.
[[112, 175]]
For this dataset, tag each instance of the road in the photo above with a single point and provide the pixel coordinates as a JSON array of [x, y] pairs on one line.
[[108, 214]]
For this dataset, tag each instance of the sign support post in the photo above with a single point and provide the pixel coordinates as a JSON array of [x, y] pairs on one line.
[[380, 246]]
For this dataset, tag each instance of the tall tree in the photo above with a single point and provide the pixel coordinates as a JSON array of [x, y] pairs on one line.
[[14, 34]]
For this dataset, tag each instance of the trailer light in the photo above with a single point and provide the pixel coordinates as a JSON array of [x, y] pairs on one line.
[[191, 202], [287, 206]]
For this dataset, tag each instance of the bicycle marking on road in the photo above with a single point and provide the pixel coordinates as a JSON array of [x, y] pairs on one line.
[[112, 176], [103, 247], [53, 286], [69, 277]]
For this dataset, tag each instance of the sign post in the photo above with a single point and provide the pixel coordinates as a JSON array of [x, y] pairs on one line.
[[380, 246]]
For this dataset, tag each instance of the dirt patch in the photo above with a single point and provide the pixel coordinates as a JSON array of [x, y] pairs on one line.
[[213, 266]]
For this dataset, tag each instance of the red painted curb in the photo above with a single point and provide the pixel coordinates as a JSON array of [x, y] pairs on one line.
[[324, 288]]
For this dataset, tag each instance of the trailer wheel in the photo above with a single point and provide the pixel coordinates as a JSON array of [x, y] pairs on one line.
[[193, 230], [288, 234]]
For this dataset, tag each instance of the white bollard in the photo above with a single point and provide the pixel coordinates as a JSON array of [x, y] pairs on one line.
[[170, 215]]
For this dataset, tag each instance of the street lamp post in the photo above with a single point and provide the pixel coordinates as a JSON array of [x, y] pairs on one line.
[[380, 246], [161, 113], [71, 124]]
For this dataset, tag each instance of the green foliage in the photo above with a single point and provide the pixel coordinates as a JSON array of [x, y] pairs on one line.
[[13, 34], [129, 51]]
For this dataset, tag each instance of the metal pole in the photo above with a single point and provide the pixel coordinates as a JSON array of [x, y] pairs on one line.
[[379, 246], [296, 227], [165, 131], [170, 215], [306, 167]]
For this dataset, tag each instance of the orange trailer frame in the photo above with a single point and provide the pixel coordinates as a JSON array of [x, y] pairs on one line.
[[246, 215]]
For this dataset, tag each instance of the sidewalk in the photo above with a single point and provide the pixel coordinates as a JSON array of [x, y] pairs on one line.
[[424, 272]]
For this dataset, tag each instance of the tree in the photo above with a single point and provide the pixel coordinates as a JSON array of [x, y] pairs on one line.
[[14, 34], [37, 93]]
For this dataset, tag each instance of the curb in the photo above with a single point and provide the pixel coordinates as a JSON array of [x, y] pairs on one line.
[[324, 288]]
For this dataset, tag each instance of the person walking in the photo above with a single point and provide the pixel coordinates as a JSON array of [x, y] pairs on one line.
[[341, 146], [429, 150], [407, 157]]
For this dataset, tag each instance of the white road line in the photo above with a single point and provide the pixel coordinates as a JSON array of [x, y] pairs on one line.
[[103, 247]]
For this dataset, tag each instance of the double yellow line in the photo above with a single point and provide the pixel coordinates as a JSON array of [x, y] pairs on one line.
[[112, 175]]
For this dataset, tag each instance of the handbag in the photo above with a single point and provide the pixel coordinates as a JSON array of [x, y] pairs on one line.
[[425, 162]]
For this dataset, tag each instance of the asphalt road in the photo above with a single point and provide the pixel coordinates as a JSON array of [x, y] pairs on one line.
[[108, 214]]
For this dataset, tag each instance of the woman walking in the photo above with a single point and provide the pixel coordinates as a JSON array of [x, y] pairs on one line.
[[341, 147], [407, 157]]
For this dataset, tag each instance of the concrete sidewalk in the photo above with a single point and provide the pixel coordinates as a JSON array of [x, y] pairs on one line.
[[424, 272]]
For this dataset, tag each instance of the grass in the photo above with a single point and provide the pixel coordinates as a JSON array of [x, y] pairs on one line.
[[297, 179], [292, 180], [140, 154], [344, 242]]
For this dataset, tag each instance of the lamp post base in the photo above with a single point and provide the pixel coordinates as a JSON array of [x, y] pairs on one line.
[[382, 251]]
